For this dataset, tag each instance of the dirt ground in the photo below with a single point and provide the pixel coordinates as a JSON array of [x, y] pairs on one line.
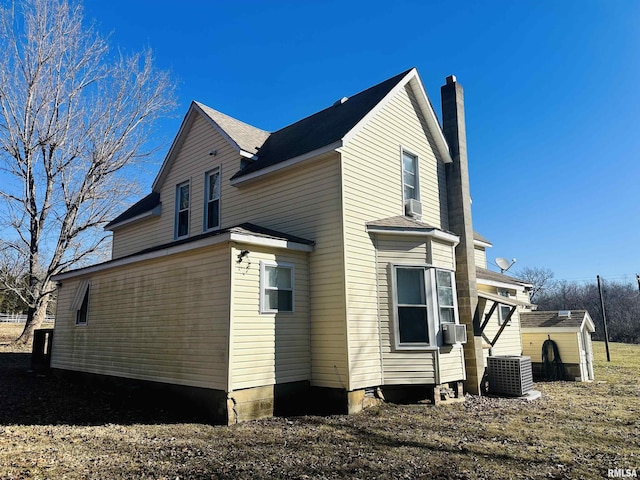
[[53, 429]]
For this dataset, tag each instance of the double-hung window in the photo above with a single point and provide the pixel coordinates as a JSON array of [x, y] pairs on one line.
[[276, 287], [182, 210], [411, 189], [212, 200], [425, 298]]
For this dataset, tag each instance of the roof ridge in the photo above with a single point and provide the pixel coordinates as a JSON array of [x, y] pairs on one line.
[[204, 106], [318, 112]]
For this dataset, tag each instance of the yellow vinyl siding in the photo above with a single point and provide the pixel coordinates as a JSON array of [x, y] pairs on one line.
[[409, 366], [163, 320], [373, 190], [135, 237], [568, 345], [303, 201], [481, 257], [443, 255], [451, 364], [510, 342], [268, 348]]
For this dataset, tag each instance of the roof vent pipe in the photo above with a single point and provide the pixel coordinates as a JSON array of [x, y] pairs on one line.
[[340, 102]]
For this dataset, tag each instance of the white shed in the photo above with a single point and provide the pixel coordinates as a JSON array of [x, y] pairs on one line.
[[570, 330]]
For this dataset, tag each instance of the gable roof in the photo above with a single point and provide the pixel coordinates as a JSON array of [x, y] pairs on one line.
[[325, 130], [245, 136], [552, 319], [330, 128], [320, 129]]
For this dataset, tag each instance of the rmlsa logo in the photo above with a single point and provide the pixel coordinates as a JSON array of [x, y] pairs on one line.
[[622, 473]]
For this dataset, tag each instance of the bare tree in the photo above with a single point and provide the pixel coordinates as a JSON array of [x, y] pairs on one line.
[[73, 120], [540, 278]]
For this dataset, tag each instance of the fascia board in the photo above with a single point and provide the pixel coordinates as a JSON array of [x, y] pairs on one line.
[[154, 212], [269, 242], [172, 250], [549, 330], [287, 163], [494, 283], [480, 243], [205, 242], [433, 233]]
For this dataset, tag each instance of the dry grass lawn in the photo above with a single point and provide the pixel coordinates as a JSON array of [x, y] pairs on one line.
[[49, 429]]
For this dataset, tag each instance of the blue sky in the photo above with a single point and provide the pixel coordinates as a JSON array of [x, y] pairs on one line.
[[551, 91]]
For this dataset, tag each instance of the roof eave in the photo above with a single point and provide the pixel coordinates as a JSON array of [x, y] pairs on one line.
[[427, 109], [287, 163], [154, 212], [246, 238], [422, 232]]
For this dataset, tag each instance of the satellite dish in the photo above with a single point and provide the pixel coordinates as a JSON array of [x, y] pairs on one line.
[[504, 264]]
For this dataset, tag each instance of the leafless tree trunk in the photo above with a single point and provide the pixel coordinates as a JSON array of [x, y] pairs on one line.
[[540, 278], [73, 120]]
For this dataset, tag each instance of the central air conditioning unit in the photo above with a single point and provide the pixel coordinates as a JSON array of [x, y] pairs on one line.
[[510, 375], [413, 208], [452, 333]]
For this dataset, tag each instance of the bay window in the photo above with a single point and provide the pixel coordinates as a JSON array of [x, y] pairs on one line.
[[425, 298]]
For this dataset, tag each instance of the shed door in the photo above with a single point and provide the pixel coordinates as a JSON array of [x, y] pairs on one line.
[[586, 340], [584, 371]]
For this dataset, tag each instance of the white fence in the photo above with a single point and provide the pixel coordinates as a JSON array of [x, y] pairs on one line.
[[21, 318]]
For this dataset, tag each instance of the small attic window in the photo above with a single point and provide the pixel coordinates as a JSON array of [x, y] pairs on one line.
[[564, 313]]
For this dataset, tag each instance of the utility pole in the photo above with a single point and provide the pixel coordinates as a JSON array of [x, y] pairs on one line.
[[638, 279], [604, 319]]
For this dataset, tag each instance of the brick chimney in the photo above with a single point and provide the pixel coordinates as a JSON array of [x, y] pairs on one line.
[[460, 223]]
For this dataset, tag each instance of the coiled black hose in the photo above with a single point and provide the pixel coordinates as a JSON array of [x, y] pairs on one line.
[[552, 366]]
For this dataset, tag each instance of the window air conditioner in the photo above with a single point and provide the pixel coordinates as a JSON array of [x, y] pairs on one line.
[[413, 208], [452, 333]]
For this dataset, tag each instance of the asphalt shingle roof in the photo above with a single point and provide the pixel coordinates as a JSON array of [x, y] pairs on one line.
[[320, 129], [144, 205], [551, 319], [247, 137]]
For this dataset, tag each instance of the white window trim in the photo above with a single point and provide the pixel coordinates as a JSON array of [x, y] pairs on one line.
[[434, 327], [404, 151], [263, 286], [84, 290], [176, 211], [501, 317], [217, 170]]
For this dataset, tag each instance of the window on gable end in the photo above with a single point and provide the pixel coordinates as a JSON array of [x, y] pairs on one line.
[[182, 210], [276, 287], [410, 183], [80, 304], [212, 200]]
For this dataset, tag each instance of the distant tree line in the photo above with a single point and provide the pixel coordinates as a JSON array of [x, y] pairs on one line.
[[621, 301]]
